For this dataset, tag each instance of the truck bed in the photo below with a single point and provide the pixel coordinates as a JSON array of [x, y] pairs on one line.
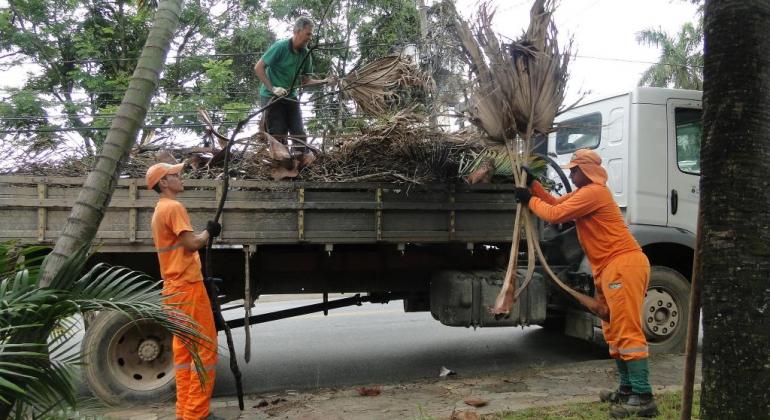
[[33, 210]]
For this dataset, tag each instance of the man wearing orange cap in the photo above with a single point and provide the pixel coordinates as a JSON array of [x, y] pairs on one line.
[[621, 273], [180, 266]]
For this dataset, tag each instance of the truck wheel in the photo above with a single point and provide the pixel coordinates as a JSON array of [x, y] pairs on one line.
[[128, 362], [665, 309]]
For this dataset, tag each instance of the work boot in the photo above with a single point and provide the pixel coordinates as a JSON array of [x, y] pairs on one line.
[[640, 405], [617, 396]]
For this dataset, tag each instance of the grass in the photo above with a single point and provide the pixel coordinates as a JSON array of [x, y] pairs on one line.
[[669, 405]]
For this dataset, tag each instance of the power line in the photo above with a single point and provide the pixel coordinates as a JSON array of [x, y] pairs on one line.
[[323, 47]]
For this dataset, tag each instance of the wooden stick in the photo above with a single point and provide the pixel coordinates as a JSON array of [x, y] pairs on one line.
[[693, 326]]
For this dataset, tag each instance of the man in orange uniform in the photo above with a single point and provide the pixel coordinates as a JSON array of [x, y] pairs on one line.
[[621, 273], [180, 266]]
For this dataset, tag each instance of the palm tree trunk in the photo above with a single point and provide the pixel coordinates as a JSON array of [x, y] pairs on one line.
[[94, 197], [735, 242]]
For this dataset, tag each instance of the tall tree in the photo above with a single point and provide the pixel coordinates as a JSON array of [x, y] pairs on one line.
[[83, 53], [88, 211], [735, 241], [681, 59]]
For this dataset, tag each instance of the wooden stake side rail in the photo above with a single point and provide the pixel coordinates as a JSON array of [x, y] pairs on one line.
[[35, 209]]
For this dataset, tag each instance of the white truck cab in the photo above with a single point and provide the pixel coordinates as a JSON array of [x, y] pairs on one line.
[[649, 140]]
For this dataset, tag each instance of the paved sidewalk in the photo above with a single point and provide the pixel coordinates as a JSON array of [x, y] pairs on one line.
[[436, 398]]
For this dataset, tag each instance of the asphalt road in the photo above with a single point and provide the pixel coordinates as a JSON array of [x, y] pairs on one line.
[[380, 344]]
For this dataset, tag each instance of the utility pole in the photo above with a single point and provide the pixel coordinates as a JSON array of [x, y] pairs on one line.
[[422, 9]]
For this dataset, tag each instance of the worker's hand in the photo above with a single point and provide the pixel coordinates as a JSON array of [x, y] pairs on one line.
[[531, 177], [279, 91], [523, 195], [213, 228]]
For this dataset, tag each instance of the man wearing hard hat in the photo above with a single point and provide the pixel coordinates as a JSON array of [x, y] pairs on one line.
[[621, 273], [180, 266]]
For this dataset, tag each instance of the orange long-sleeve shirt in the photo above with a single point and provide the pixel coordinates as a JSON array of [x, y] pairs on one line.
[[602, 232]]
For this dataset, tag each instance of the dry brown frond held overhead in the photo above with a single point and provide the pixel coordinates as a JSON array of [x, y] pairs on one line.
[[377, 86], [519, 86], [518, 91]]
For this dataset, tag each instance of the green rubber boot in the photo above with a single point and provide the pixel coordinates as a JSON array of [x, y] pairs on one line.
[[621, 394]]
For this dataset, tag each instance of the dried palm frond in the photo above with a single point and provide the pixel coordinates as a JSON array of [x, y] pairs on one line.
[[377, 86], [519, 86], [519, 91]]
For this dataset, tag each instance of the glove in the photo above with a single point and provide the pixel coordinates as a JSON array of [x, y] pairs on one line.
[[279, 91], [213, 228], [531, 177], [523, 195]]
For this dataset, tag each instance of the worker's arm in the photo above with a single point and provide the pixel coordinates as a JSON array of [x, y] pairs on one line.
[[572, 206], [192, 241], [538, 191], [259, 69]]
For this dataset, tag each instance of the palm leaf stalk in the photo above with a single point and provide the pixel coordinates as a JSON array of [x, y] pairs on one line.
[[37, 376], [518, 91]]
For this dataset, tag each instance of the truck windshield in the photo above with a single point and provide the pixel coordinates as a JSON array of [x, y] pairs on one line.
[[583, 132], [688, 135]]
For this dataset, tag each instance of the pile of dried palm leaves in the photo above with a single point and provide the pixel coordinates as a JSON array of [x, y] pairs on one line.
[[402, 149], [518, 92]]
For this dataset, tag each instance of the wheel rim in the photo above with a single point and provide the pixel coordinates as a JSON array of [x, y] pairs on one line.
[[141, 356], [661, 315]]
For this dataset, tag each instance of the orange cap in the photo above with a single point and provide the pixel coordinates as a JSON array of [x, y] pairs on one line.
[[159, 170], [590, 163]]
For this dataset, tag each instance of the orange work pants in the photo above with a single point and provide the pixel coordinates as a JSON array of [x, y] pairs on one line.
[[193, 397], [622, 285]]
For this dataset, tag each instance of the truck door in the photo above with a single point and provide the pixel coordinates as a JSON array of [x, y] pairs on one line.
[[684, 141]]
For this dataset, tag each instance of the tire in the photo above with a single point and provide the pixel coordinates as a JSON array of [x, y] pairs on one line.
[[665, 311], [128, 362]]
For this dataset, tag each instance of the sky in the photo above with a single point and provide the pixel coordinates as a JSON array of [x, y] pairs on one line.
[[609, 60]]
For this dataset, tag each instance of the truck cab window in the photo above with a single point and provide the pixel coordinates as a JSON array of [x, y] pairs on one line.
[[579, 133], [688, 139]]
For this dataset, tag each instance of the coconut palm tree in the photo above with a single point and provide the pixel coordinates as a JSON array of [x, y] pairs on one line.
[[89, 208], [681, 58], [37, 377], [91, 205]]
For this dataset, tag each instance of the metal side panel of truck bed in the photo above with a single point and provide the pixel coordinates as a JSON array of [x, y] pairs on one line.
[[35, 210]]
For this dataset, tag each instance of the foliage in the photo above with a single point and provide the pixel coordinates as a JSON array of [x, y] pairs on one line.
[[669, 405], [350, 33], [681, 57], [39, 374], [82, 55]]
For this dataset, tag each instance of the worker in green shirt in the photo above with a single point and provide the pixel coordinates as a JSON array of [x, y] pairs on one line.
[[286, 65]]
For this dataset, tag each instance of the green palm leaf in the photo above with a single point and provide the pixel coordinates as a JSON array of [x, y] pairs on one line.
[[38, 372]]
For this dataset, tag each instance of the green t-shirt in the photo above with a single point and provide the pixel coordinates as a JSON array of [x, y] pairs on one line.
[[281, 64]]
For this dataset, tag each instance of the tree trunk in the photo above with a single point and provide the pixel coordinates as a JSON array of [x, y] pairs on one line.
[[94, 197], [735, 244]]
